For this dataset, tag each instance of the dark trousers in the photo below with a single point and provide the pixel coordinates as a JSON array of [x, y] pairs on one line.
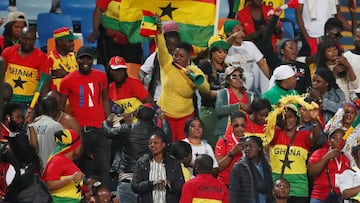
[[94, 142]]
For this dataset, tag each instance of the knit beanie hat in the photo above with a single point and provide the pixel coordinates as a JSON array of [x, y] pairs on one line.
[[229, 26], [218, 41]]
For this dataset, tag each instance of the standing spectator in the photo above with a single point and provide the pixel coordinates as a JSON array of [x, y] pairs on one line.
[[349, 180], [134, 139], [254, 18], [23, 66], [325, 164], [353, 56], [62, 59], [214, 69], [45, 127], [282, 83], [281, 190], [250, 179], [63, 178], [158, 176], [326, 92], [330, 56], [194, 129], [183, 153], [246, 55], [311, 17], [176, 98], [204, 187], [125, 91], [87, 91], [288, 52], [230, 99], [289, 150], [229, 149], [111, 42], [15, 23]]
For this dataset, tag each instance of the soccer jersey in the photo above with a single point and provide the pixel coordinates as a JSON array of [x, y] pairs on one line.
[[23, 73], [295, 165], [129, 96], [253, 128], [56, 61], [85, 93], [61, 167]]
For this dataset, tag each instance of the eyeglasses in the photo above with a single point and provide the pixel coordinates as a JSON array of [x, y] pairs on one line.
[[235, 77]]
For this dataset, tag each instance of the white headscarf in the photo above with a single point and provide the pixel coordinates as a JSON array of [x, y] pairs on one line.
[[282, 72]]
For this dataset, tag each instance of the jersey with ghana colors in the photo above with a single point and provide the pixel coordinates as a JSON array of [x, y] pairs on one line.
[[129, 96], [23, 73], [253, 128], [295, 166], [60, 167], [85, 93]]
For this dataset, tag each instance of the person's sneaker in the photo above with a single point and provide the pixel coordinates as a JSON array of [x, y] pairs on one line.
[[12, 8]]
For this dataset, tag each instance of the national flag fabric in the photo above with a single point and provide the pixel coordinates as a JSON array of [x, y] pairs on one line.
[[195, 18], [148, 26]]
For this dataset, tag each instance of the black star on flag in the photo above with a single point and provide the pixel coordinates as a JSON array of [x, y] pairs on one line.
[[19, 83], [78, 187], [286, 162], [167, 10], [59, 135]]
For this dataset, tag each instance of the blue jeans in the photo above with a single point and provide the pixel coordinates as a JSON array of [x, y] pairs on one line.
[[126, 194], [94, 142], [314, 200]]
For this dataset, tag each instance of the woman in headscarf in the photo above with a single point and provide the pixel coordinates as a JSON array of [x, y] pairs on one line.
[[326, 92], [63, 178]]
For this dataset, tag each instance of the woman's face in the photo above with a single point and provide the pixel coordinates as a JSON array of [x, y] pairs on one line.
[[357, 38], [195, 129], [289, 123], [252, 149], [16, 29], [281, 189], [260, 116], [349, 115], [156, 145], [235, 80], [171, 44], [319, 83], [335, 139], [103, 195], [238, 126], [181, 57], [304, 114], [118, 75], [187, 160], [331, 53], [290, 51], [240, 36], [219, 56]]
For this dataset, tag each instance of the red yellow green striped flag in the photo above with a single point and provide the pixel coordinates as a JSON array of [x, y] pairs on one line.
[[148, 26], [195, 18]]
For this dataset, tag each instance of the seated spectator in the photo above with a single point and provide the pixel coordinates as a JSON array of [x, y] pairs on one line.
[[282, 83], [88, 196], [63, 178], [325, 165], [102, 193], [250, 179], [230, 99], [255, 122], [16, 21], [326, 92], [281, 190], [330, 56], [194, 189], [349, 180], [229, 149], [157, 176], [193, 130], [246, 55], [183, 153]]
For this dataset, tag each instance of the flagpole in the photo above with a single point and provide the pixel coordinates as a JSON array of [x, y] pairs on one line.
[[217, 13]]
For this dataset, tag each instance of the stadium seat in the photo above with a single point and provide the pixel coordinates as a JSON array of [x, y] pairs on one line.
[[133, 70], [86, 30], [78, 9], [290, 14], [100, 67], [48, 22], [32, 8], [288, 30], [4, 5]]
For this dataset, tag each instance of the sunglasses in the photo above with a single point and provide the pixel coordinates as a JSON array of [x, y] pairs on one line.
[[235, 77]]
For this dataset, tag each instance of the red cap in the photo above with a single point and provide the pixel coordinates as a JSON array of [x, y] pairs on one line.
[[117, 62]]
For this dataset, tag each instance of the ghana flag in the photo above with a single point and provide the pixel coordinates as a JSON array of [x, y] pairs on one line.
[[195, 18]]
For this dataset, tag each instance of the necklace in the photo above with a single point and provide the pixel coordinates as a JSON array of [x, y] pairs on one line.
[[59, 116]]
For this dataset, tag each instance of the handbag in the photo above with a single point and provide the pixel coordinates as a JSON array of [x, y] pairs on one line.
[[332, 197]]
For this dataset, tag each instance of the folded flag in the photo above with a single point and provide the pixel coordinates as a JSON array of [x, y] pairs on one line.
[[148, 26]]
